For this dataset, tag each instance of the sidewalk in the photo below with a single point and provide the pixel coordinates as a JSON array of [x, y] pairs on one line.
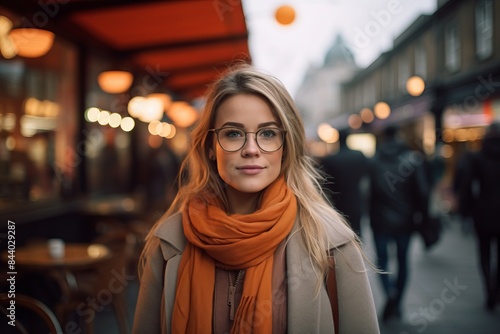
[[444, 293]]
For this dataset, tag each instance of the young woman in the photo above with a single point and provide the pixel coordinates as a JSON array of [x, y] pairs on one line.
[[244, 247]]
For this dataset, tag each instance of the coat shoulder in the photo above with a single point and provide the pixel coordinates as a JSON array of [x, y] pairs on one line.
[[340, 236], [171, 235]]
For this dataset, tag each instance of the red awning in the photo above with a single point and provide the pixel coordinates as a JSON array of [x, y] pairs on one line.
[[189, 41]]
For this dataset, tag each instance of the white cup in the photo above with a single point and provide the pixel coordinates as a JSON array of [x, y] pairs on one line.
[[56, 248]]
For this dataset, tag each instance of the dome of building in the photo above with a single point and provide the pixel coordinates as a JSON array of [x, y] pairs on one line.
[[339, 53]]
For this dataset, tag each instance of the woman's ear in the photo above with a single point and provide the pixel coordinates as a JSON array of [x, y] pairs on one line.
[[211, 154]]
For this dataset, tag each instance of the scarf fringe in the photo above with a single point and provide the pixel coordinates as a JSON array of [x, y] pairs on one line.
[[246, 308]]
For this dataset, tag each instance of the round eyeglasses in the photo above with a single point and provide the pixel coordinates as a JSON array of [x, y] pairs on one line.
[[233, 139]]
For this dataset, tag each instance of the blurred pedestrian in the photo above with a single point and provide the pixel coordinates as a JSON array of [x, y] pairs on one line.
[[346, 169], [460, 209], [110, 180], [160, 178], [480, 196], [244, 247], [399, 190]]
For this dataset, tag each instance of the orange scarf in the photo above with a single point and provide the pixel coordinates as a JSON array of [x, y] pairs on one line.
[[234, 242]]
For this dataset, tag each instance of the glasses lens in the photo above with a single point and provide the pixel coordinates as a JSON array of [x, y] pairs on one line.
[[231, 139], [269, 139]]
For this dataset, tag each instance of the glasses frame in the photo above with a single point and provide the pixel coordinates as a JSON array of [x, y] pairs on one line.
[[283, 135]]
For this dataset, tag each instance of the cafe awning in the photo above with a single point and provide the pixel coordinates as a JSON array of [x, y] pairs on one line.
[[188, 42]]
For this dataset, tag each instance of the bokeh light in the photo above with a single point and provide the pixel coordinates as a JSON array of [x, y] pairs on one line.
[[285, 15], [354, 121], [415, 86], [127, 124], [92, 114], [103, 117], [382, 110], [366, 115], [327, 133], [115, 120]]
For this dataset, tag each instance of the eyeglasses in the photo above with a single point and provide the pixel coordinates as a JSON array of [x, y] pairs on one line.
[[233, 139]]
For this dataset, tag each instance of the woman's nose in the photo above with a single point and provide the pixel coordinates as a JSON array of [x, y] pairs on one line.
[[250, 147]]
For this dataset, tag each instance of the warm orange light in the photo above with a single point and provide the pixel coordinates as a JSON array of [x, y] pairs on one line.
[[461, 135], [154, 127], [382, 110], [327, 133], [134, 106], [164, 98], [155, 141], [115, 82], [415, 86], [7, 48], [151, 109], [31, 42], [366, 115], [166, 129], [285, 15], [354, 121], [172, 132], [182, 114], [448, 135], [446, 151]]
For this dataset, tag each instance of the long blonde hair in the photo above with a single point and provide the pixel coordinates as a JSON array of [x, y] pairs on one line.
[[316, 216]]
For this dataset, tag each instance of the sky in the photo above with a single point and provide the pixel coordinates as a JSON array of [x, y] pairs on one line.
[[367, 26]]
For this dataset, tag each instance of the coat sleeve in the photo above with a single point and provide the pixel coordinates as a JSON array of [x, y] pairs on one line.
[[149, 309], [357, 313]]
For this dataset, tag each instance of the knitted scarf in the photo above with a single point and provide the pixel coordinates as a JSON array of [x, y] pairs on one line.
[[233, 241]]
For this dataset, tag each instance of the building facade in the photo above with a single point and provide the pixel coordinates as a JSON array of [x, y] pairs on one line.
[[456, 51], [458, 57]]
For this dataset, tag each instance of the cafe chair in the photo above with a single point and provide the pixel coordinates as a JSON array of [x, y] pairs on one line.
[[29, 312], [102, 280], [135, 230]]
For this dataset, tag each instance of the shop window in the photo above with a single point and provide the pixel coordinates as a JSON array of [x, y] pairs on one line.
[[484, 29], [38, 126], [369, 92], [388, 82], [452, 47], [403, 72], [420, 60]]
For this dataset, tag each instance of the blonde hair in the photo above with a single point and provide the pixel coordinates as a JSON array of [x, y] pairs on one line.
[[317, 217]]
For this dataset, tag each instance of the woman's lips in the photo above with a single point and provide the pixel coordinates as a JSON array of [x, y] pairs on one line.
[[250, 169]]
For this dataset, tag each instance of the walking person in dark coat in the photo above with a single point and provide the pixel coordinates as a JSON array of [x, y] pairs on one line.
[[399, 190], [346, 170], [480, 197]]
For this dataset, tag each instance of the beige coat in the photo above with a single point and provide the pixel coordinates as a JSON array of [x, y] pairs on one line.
[[306, 312]]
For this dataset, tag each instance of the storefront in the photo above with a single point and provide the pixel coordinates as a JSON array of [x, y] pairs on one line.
[[56, 161]]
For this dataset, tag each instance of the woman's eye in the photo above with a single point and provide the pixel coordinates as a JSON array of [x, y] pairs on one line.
[[267, 133], [233, 133]]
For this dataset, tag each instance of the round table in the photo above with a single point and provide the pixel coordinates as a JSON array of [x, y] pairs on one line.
[[77, 256]]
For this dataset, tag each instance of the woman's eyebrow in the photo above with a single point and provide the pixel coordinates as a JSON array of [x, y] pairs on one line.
[[240, 125], [237, 125], [267, 124]]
